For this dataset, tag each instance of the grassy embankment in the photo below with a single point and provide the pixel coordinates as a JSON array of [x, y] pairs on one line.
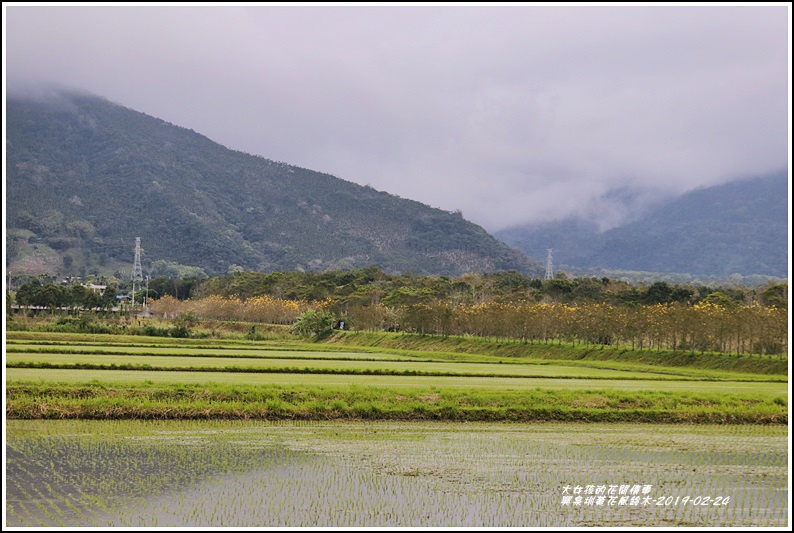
[[397, 377], [432, 347], [455, 346], [223, 401]]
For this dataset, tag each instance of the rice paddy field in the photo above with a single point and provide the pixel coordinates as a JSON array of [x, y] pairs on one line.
[[112, 431], [351, 474]]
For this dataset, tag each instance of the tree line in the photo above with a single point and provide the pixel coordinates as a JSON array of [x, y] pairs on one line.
[[369, 286], [505, 306], [54, 296], [674, 326]]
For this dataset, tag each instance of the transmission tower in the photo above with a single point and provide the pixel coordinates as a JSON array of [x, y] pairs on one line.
[[549, 264], [137, 271]]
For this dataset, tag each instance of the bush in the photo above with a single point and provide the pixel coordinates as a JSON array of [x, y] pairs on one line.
[[154, 331], [183, 324], [253, 335], [313, 323]]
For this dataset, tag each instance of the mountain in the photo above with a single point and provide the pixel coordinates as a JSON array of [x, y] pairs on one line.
[[85, 177], [737, 228]]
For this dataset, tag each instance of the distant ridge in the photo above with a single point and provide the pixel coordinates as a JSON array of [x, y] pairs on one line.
[[87, 176], [736, 228]]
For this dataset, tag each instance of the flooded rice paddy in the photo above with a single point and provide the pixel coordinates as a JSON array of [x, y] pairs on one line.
[[346, 474]]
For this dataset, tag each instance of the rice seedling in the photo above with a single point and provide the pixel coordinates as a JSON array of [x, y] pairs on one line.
[[353, 474]]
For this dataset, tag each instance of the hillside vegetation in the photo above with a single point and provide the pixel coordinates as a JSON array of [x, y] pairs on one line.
[[735, 228], [87, 176]]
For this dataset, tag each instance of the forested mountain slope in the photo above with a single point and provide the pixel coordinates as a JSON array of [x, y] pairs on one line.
[[87, 176], [736, 228]]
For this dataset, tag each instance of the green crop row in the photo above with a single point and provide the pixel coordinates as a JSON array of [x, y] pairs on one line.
[[210, 401], [316, 370]]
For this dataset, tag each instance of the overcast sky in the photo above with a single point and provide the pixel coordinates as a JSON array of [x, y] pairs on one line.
[[512, 114]]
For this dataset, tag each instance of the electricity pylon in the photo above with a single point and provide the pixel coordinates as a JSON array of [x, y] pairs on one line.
[[137, 271], [549, 264]]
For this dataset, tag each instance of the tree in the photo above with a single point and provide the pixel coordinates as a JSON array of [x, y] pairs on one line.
[[26, 294], [658, 293], [314, 323], [557, 289], [776, 296], [52, 297], [720, 299], [78, 296]]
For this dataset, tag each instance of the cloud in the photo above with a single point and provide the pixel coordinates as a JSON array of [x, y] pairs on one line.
[[512, 114]]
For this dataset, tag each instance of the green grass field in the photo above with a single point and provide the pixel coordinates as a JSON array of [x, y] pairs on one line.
[[43, 371], [484, 365], [306, 364], [424, 382], [269, 350]]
